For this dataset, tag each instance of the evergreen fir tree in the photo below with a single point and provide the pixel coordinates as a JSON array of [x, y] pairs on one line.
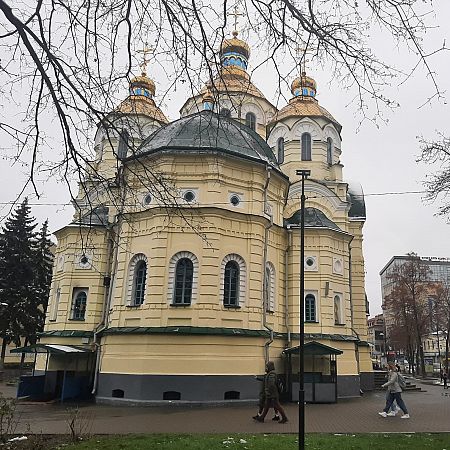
[[17, 274], [43, 279]]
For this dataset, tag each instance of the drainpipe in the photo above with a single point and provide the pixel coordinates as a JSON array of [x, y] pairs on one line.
[[111, 254], [286, 286], [351, 303], [113, 251], [266, 239]]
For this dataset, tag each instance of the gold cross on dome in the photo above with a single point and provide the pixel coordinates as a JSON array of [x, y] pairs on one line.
[[236, 13], [302, 53], [145, 51]]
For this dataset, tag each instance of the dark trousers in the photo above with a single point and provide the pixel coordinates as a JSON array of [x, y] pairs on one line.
[[397, 396], [275, 404]]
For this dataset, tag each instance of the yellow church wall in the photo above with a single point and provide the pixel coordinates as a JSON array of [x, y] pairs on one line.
[[156, 307], [205, 355], [73, 242]]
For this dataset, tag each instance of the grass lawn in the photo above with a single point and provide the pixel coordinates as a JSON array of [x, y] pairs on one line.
[[412, 441]]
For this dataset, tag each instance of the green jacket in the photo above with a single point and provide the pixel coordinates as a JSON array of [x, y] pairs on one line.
[[270, 385]]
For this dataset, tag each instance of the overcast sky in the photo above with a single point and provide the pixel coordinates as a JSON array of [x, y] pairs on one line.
[[382, 158]]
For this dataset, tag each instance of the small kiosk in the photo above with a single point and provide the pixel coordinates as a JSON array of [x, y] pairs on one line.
[[320, 372]]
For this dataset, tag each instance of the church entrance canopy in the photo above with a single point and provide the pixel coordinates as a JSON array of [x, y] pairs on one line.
[[69, 378], [320, 372]]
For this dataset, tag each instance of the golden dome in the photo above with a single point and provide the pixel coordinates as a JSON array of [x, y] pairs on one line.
[[235, 45], [140, 100], [138, 104], [304, 107], [142, 82], [304, 85]]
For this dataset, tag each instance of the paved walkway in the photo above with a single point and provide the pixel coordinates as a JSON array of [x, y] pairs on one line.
[[430, 412]]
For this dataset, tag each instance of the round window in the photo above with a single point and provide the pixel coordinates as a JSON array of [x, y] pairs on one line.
[[310, 262], [235, 200], [147, 199], [189, 196]]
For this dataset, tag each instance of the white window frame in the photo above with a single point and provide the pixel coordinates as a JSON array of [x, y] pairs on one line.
[[242, 277], [317, 306], [171, 281], [131, 276]]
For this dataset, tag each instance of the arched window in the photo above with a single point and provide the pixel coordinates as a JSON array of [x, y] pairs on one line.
[[184, 273], [306, 147], [137, 280], [330, 151], [280, 148], [250, 120], [140, 276], [310, 308], [231, 284], [79, 304]]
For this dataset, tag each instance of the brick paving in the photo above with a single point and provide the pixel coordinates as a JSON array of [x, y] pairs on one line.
[[430, 412]]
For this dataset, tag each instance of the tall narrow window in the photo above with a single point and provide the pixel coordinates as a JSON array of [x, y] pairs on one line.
[[280, 148], [140, 277], [79, 305], [330, 151], [184, 273], [123, 144], [231, 284], [337, 310], [250, 121], [310, 308], [269, 287], [306, 147], [56, 304]]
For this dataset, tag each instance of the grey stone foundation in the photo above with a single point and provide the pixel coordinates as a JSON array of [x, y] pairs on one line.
[[192, 389]]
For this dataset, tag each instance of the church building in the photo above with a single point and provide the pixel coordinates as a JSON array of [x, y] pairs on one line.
[[179, 277]]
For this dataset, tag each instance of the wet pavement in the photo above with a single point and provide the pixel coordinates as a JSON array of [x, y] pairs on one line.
[[430, 412]]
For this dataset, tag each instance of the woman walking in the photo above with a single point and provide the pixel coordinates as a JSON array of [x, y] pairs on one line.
[[394, 393]]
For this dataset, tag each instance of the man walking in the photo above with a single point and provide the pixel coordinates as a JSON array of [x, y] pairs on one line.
[[271, 394]]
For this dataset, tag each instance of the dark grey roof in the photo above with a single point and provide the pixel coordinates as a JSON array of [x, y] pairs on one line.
[[355, 196], [97, 216], [206, 130], [313, 219]]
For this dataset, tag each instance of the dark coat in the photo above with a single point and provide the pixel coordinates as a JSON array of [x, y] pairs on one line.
[[270, 385]]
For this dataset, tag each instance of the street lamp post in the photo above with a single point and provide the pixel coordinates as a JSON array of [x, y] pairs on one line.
[[301, 393]]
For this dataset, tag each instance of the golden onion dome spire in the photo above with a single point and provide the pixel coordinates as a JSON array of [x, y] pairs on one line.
[[304, 86], [234, 52], [141, 94]]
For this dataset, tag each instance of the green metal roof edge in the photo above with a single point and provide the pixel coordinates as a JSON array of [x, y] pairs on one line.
[[66, 333], [220, 331], [187, 330], [331, 337]]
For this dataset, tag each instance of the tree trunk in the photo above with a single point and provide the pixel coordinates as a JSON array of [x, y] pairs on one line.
[[447, 342], [2, 357], [22, 356]]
